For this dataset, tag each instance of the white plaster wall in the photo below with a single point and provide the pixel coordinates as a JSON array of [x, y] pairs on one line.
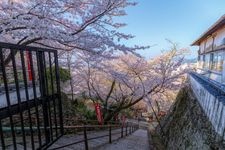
[[209, 43], [202, 45], [218, 40], [214, 112], [223, 71], [222, 122], [220, 35], [219, 116], [213, 107]]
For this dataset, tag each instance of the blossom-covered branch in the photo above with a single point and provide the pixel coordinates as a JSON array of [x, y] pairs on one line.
[[66, 24]]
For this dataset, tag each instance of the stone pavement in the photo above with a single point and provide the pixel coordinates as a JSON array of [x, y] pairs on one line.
[[137, 141], [93, 144]]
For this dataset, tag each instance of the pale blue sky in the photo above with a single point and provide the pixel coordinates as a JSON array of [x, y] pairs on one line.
[[182, 21]]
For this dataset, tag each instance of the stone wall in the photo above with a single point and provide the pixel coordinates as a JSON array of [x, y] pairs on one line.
[[187, 127]]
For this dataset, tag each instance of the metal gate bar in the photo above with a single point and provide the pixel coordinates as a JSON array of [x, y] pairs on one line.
[[8, 102], [30, 104], [27, 98]]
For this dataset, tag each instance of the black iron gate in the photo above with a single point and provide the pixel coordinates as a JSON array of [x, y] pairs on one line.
[[30, 102]]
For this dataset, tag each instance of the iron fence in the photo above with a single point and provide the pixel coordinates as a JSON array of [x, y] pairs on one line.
[[119, 129], [30, 100]]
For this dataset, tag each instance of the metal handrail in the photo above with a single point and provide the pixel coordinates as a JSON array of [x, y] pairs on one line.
[[90, 126], [128, 128], [214, 84]]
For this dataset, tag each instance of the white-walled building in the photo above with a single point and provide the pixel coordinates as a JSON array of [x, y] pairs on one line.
[[211, 65], [211, 52]]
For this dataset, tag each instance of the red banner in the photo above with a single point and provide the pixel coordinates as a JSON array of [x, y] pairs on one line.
[[98, 113], [28, 67]]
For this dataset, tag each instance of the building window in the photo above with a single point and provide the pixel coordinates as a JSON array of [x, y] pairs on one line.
[[200, 61], [220, 62], [213, 61], [206, 59], [203, 61], [223, 42], [216, 62]]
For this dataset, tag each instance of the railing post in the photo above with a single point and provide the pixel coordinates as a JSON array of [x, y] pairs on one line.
[[110, 134], [126, 129], [130, 128], [85, 138], [121, 131]]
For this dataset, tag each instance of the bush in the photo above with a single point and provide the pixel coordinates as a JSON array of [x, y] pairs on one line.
[[76, 110]]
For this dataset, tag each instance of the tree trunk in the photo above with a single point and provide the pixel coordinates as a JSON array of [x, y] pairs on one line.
[[110, 114], [156, 116], [71, 81], [108, 117]]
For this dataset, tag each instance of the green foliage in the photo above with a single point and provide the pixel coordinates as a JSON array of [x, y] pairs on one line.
[[127, 112], [90, 115], [64, 74], [76, 109], [82, 109]]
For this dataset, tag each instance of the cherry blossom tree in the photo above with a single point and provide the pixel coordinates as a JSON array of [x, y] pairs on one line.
[[80, 25], [122, 82], [139, 108], [87, 29]]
